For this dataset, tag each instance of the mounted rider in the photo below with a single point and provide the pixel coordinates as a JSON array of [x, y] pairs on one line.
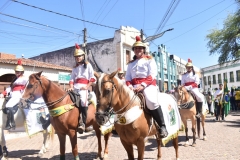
[[15, 91], [140, 77], [82, 78], [190, 81]]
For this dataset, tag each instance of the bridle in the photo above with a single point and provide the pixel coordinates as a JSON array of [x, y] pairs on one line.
[[35, 85], [109, 111], [186, 104]]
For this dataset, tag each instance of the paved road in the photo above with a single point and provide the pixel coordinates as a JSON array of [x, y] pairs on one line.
[[223, 144]]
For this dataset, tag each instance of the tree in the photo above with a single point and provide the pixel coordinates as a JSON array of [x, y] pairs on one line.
[[226, 41]]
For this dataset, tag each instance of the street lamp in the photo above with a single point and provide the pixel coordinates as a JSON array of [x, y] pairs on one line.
[[151, 38]]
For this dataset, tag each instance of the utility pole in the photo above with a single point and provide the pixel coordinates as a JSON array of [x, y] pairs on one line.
[[85, 40], [141, 35]]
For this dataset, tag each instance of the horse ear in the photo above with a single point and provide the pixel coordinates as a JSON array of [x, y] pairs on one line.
[[96, 74], [39, 73], [113, 74]]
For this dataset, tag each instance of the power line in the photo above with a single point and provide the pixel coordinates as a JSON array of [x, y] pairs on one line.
[[82, 11], [199, 24], [5, 5], [64, 15]]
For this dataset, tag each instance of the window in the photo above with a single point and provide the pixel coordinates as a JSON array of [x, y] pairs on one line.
[[128, 56], [209, 80], [238, 75], [214, 79], [205, 80], [219, 78], [231, 77], [224, 76]]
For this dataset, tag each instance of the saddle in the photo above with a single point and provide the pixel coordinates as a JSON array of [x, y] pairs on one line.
[[14, 108], [143, 102], [75, 97]]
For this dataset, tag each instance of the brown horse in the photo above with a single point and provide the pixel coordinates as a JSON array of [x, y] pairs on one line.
[[114, 97], [65, 115], [187, 110]]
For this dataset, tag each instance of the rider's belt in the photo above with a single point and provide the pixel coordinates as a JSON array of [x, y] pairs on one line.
[[82, 81], [18, 87], [60, 110], [193, 84], [140, 80]]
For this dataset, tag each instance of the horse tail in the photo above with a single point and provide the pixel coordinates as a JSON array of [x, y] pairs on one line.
[[52, 132], [198, 126]]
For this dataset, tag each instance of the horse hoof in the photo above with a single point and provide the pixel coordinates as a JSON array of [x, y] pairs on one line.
[[186, 145], [204, 138], [194, 145], [40, 155], [105, 157]]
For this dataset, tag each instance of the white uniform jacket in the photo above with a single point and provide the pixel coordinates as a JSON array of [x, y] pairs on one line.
[[141, 71]]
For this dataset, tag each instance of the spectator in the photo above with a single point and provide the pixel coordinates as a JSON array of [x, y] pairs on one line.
[[209, 102], [218, 95]]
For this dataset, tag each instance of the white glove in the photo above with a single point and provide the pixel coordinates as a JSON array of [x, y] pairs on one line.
[[1, 96], [188, 88], [131, 87]]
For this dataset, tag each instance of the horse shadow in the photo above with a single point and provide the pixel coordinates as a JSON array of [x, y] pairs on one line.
[[85, 156], [24, 154]]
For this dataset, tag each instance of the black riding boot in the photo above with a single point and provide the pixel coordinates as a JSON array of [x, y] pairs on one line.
[[199, 109], [8, 120], [12, 119], [45, 122], [158, 117], [82, 120]]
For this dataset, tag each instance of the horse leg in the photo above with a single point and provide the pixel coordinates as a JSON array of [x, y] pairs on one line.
[[186, 132], [198, 127], [159, 141], [98, 134], [3, 144], [45, 145], [106, 138], [129, 149], [62, 141], [175, 144], [203, 126], [141, 147], [194, 131], [73, 139]]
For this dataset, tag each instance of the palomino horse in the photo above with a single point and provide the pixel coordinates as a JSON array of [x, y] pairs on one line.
[[64, 114], [19, 118], [187, 111], [114, 97]]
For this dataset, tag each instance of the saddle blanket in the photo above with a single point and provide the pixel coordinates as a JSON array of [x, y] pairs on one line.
[[32, 123], [171, 116]]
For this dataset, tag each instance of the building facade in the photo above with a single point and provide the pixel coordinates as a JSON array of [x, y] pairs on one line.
[[216, 74], [170, 69], [105, 55], [55, 73]]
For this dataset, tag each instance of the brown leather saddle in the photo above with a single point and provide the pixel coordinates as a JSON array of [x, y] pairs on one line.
[[143, 102]]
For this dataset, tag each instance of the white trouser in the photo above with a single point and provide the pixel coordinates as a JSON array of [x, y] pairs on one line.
[[83, 94], [199, 95], [151, 96], [15, 98]]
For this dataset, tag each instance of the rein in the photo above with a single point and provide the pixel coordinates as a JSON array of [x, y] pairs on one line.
[[186, 104], [109, 111], [49, 104]]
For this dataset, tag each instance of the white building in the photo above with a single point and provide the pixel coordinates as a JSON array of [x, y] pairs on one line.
[[216, 74]]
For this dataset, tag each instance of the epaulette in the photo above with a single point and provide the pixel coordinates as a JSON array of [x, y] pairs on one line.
[[148, 57]]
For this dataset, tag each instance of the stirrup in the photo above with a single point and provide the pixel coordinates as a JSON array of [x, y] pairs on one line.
[[163, 132], [81, 129], [198, 115]]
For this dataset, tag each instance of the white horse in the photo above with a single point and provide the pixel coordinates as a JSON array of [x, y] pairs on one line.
[[19, 118]]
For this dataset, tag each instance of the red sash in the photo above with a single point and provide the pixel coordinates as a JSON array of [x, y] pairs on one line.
[[18, 87], [82, 81], [193, 84]]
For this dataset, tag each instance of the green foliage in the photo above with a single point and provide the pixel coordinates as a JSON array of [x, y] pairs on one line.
[[226, 41]]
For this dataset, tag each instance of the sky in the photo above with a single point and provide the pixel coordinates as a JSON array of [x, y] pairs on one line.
[[28, 31]]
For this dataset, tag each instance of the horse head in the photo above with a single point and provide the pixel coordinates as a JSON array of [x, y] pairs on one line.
[[181, 94], [112, 95], [32, 91]]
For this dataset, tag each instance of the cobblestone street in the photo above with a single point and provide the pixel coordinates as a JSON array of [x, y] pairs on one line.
[[223, 143]]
